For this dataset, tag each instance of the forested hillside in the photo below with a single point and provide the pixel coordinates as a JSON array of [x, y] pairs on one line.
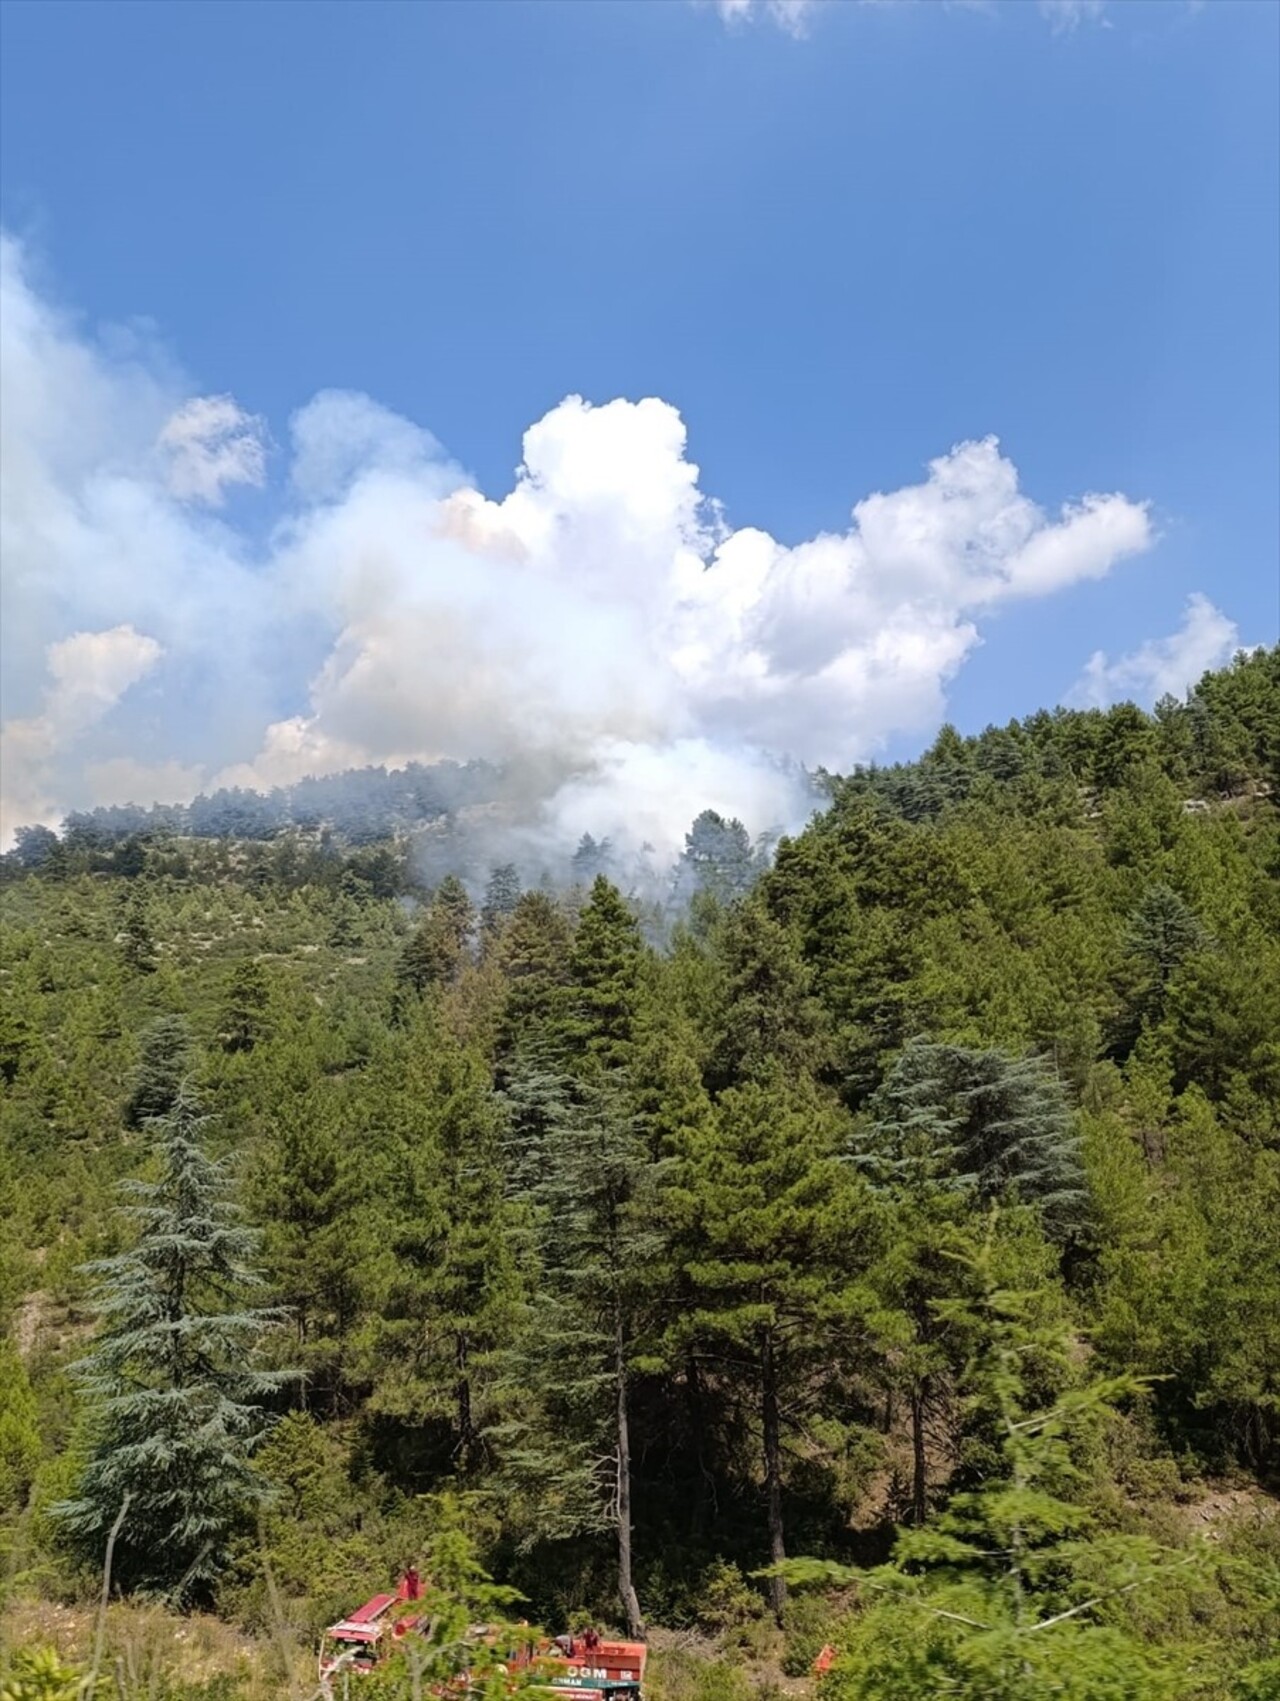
[[880, 1249]]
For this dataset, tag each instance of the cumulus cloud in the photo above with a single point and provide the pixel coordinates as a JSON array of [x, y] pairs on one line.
[[91, 671], [1162, 666], [88, 674], [599, 627]]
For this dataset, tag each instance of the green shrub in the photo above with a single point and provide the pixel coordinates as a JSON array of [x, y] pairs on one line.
[[39, 1674]]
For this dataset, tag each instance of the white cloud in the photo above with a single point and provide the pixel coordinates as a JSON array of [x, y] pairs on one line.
[[1064, 16], [599, 625], [293, 749], [209, 444], [89, 673], [793, 17], [825, 649], [1162, 666]]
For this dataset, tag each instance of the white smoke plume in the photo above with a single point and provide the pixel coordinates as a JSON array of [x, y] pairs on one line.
[[599, 628], [212, 444]]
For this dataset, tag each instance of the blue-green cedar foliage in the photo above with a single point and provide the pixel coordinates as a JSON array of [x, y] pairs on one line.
[[174, 1405]]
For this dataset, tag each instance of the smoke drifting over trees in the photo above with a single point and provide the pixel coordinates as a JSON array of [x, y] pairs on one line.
[[601, 632]]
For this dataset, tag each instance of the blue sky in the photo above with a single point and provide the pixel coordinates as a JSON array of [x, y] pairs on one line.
[[838, 240]]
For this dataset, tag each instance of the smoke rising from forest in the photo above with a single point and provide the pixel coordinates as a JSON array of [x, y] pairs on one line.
[[190, 604]]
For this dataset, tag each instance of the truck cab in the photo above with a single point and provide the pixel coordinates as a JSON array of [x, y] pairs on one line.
[[359, 1642]]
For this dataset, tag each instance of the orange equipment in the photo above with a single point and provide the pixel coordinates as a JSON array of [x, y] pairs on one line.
[[590, 1668]]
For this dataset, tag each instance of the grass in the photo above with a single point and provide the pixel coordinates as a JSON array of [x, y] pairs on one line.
[[150, 1654]]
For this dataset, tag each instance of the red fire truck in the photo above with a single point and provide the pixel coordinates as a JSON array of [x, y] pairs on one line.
[[366, 1638], [584, 1667]]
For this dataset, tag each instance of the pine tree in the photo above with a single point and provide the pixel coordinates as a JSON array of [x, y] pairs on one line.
[[313, 1194], [533, 955], [588, 1174], [945, 773], [605, 968], [1009, 1595], [590, 860], [717, 860], [15, 1259], [577, 1154], [1001, 753], [174, 1408], [22, 1022], [166, 1058], [455, 1294], [665, 1080], [768, 1226], [34, 847], [768, 1017], [918, 1350], [344, 928], [456, 912], [441, 940], [19, 1430], [501, 896], [244, 1020], [137, 944]]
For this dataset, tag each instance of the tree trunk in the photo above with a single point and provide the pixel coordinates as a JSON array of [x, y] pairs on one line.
[[773, 1471], [696, 1407], [919, 1473], [626, 1585], [462, 1391]]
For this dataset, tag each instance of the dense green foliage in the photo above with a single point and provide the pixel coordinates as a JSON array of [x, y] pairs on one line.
[[171, 1408], [1003, 1596], [662, 1235]]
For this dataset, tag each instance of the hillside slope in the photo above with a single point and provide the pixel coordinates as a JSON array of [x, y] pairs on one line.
[[647, 1263]]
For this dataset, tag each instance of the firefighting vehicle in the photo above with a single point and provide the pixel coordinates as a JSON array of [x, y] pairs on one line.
[[364, 1639], [584, 1667], [592, 1668]]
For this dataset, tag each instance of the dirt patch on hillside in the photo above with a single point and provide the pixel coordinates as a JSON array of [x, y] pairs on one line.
[[29, 1321], [1213, 1512]]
